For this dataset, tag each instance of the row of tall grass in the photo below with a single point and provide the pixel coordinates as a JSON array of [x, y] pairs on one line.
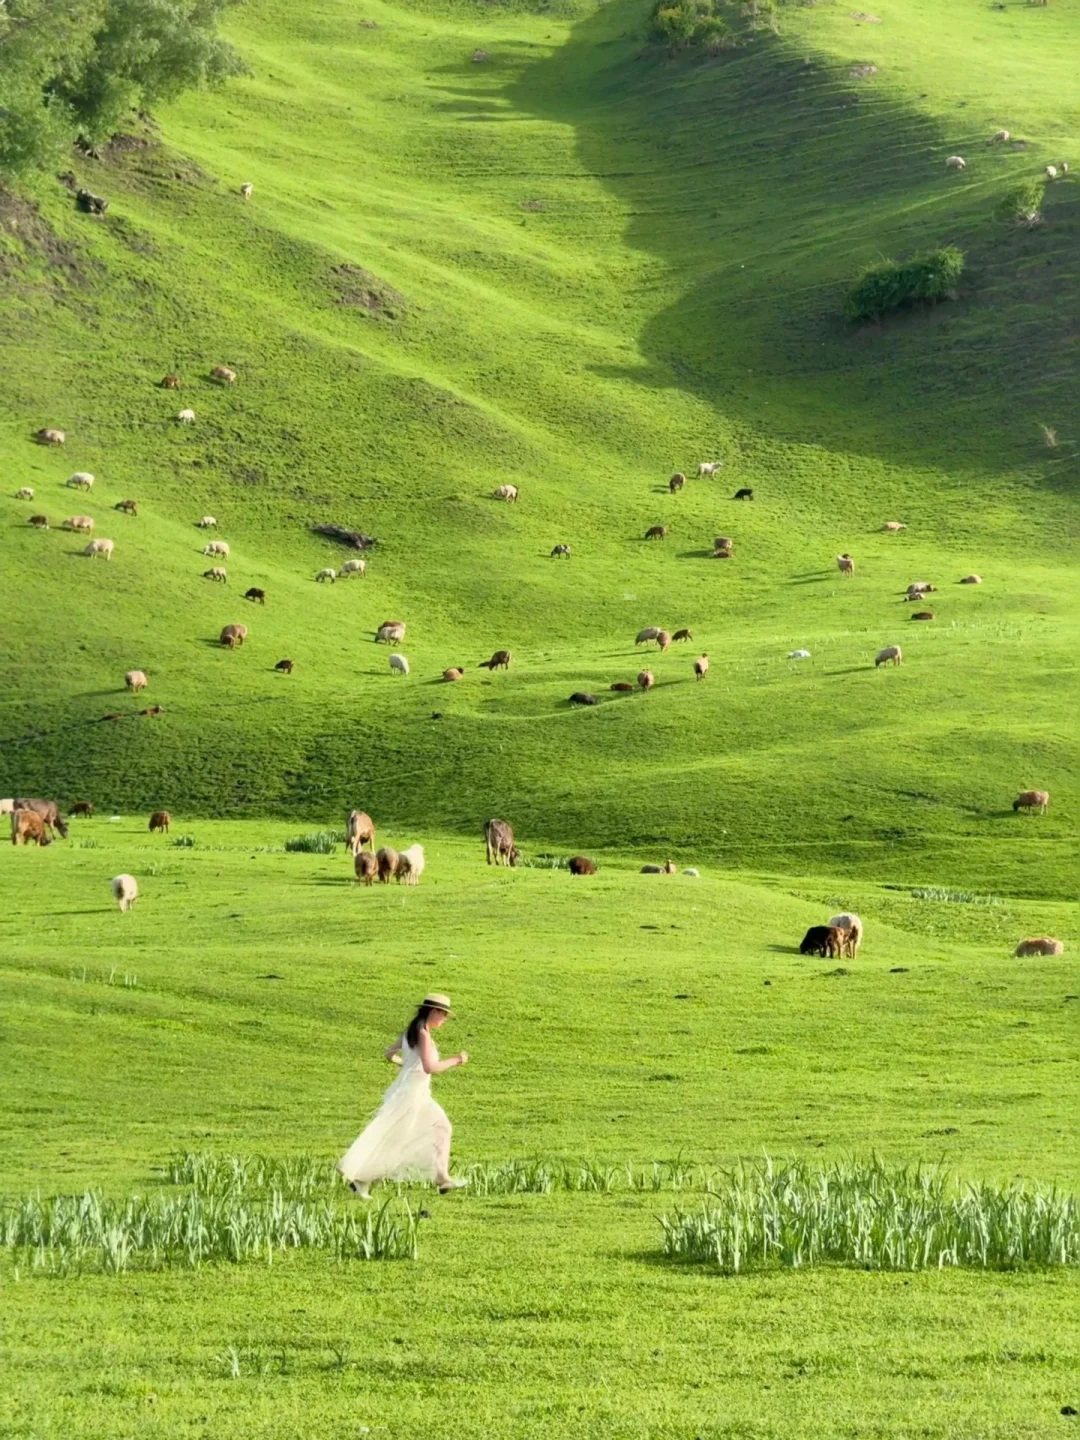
[[874, 1216]]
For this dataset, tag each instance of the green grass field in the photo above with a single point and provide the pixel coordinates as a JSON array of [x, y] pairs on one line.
[[575, 266]]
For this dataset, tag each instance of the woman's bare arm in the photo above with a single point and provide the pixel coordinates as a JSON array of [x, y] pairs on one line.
[[431, 1065]]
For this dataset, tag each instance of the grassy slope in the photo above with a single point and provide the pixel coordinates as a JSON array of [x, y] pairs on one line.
[[675, 298], [526, 1312]]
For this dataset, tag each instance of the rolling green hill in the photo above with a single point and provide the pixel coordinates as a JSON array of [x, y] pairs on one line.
[[575, 266]]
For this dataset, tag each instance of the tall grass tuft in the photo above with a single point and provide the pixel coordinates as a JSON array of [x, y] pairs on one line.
[[317, 842], [868, 1214]]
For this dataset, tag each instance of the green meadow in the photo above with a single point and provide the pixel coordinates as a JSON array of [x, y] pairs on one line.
[[575, 264]]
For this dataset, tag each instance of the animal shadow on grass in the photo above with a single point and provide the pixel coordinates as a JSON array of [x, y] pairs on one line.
[[814, 577], [851, 670], [784, 949], [694, 555]]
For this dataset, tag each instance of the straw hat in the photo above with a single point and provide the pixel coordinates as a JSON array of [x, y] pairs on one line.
[[437, 1002]]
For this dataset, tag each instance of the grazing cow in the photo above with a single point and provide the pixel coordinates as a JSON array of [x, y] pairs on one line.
[[48, 810], [971, 580], [677, 481], [285, 665], [561, 552], [823, 940], [454, 673], [709, 467], [366, 867], [39, 522], [922, 615], [387, 861], [682, 635], [746, 493], [649, 633], [160, 820], [499, 661], [223, 374], [360, 831], [136, 680], [233, 635], [255, 594], [390, 632], [26, 825], [24, 494], [81, 480], [499, 840], [656, 532], [129, 507], [170, 382], [125, 891], [49, 436], [217, 573], [1026, 800], [845, 564], [646, 679], [581, 865], [701, 666], [410, 865], [851, 929], [891, 655], [399, 665], [82, 807], [582, 697], [623, 686], [1039, 945], [508, 493]]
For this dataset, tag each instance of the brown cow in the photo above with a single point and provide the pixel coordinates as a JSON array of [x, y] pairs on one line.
[[160, 820], [499, 839], [129, 507], [27, 825], [82, 807], [49, 812], [499, 661], [656, 532]]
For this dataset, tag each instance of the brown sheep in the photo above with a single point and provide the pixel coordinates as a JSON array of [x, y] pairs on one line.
[[1029, 800], [922, 615], [663, 640], [82, 807], [845, 564], [285, 665], [623, 686], [1041, 945], [223, 374], [646, 679], [366, 867], [656, 532], [387, 862], [723, 547], [160, 820], [359, 831], [390, 632], [233, 635], [582, 865], [152, 710], [891, 655], [26, 825], [701, 666], [499, 661], [677, 481], [919, 588], [255, 594], [499, 840], [582, 697], [39, 522], [454, 673], [48, 810], [824, 940], [170, 382], [129, 507], [682, 635]]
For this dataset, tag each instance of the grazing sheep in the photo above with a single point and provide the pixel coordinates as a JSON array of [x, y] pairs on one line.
[[360, 831], [79, 522], [891, 655], [24, 494], [582, 865], [692, 870], [1041, 945], [27, 826], [7, 807], [709, 467], [999, 137], [217, 547], [746, 493], [561, 552], [399, 665], [233, 635], [390, 632], [128, 507], [649, 633], [160, 820], [499, 843], [845, 564], [851, 928], [499, 661], [646, 679], [125, 891], [387, 861], [701, 666], [971, 580], [82, 807], [352, 567], [652, 870], [582, 697], [49, 436], [1051, 172], [508, 493], [207, 522], [366, 867], [217, 573], [152, 710], [186, 417], [452, 675], [410, 865], [656, 532], [955, 162], [798, 655], [48, 810], [677, 481], [922, 615], [663, 640], [723, 544], [286, 666], [39, 522], [136, 680], [823, 940], [682, 635], [327, 574], [246, 190], [81, 480], [623, 686], [256, 595], [891, 527], [170, 382], [100, 547], [918, 588], [223, 374], [670, 867], [1029, 800]]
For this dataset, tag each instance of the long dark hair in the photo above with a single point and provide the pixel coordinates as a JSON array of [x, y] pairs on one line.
[[418, 1023]]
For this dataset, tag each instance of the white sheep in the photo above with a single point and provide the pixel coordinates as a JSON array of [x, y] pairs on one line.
[[186, 417], [100, 547], [999, 137], [246, 190], [852, 927], [125, 890], [353, 567], [798, 655], [410, 865], [709, 467], [136, 680], [216, 547], [7, 807], [891, 655], [692, 870], [207, 522], [24, 494], [217, 573], [845, 564], [649, 633], [399, 665], [81, 480], [956, 162], [1051, 172], [79, 522], [505, 492], [326, 574], [892, 527]]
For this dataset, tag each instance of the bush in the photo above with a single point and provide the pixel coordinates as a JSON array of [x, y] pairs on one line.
[[1023, 203], [318, 842], [925, 280], [685, 23]]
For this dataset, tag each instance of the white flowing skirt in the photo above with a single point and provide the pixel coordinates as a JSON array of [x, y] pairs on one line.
[[400, 1141]]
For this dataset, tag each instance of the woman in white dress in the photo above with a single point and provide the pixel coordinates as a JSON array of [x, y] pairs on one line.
[[409, 1137]]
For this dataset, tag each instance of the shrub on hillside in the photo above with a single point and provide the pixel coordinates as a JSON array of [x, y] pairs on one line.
[[890, 285], [711, 25], [1023, 203]]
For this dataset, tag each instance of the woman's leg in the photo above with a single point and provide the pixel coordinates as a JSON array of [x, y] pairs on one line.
[[441, 1131]]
